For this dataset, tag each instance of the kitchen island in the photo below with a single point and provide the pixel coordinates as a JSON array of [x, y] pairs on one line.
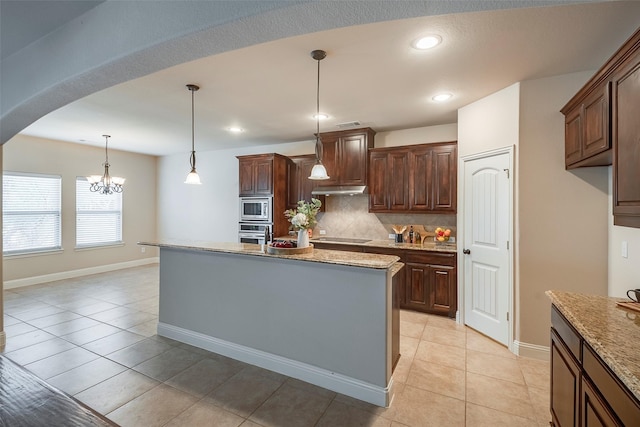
[[328, 317]]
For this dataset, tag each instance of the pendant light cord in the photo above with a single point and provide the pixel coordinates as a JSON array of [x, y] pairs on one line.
[[193, 149], [318, 140], [106, 151]]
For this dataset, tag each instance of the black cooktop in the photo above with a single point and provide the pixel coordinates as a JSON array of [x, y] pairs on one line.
[[341, 240]]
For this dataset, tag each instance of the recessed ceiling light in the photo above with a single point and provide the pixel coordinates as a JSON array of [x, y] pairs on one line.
[[441, 97], [234, 129], [320, 116], [426, 42]]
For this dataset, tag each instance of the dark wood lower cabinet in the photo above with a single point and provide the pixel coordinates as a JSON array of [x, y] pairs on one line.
[[585, 392]]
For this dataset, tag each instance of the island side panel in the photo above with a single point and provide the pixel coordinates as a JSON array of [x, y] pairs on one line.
[[330, 316]]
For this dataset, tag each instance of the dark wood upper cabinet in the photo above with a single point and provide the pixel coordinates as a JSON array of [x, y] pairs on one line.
[[300, 186], [418, 178], [345, 156], [626, 136]]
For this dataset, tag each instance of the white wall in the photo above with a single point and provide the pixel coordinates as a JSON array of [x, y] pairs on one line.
[[30, 154], [624, 273]]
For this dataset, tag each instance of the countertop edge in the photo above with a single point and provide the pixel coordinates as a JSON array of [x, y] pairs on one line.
[[625, 376], [337, 257], [431, 247]]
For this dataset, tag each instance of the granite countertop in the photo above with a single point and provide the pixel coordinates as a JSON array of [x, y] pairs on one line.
[[612, 331], [429, 245], [353, 259]]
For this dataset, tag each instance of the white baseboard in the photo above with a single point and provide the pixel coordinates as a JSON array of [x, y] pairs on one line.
[[321, 377], [36, 280], [533, 351]]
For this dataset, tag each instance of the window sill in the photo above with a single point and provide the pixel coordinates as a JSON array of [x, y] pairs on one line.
[[99, 246], [32, 254]]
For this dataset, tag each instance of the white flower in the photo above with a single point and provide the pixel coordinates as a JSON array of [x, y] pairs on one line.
[[300, 220]]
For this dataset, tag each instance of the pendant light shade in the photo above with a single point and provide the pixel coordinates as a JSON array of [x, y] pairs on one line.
[[193, 177], [105, 183], [319, 172]]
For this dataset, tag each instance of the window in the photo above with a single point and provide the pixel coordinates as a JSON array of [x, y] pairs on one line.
[[31, 208], [98, 216]]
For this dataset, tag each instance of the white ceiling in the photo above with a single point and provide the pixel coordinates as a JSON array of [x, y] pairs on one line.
[[370, 75]]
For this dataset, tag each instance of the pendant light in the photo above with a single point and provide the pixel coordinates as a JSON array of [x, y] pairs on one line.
[[193, 177], [318, 172], [105, 184]]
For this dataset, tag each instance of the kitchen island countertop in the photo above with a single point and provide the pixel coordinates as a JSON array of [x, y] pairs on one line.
[[353, 259]]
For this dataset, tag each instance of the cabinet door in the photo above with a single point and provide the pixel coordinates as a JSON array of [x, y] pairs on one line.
[[420, 179], [573, 136], [442, 290], [417, 287], [378, 171], [626, 134], [596, 123], [353, 160], [565, 385], [293, 183], [398, 180], [330, 160], [445, 180], [594, 412], [264, 176], [247, 179]]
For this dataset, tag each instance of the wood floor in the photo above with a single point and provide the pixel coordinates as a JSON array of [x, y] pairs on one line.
[[95, 338]]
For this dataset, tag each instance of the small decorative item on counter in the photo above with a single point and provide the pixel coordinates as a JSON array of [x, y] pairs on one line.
[[287, 247], [399, 230], [442, 234], [411, 235], [303, 218]]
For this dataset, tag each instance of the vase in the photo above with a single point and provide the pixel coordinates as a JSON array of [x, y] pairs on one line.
[[303, 239]]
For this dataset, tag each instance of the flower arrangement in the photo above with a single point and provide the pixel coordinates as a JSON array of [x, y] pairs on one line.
[[304, 216]]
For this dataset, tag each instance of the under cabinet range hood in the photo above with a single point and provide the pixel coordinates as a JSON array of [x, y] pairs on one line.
[[339, 190]]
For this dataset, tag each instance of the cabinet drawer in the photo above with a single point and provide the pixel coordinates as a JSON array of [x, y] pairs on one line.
[[566, 332], [624, 405], [432, 258], [385, 251]]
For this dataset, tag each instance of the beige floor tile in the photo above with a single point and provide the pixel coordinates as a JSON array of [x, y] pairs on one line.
[[10, 320], [39, 351], [26, 340], [249, 423], [437, 378], [291, 407], [153, 408], [340, 414], [401, 371], [168, 364], [139, 352], [203, 414], [416, 407], [481, 416], [61, 362], [536, 372], [146, 329], [444, 336], [540, 401], [132, 320], [445, 323], [91, 334], [478, 342], [441, 354], [408, 346], [37, 313], [114, 342], [411, 329], [114, 392], [494, 366], [18, 329], [203, 377], [112, 313], [54, 319], [501, 395], [305, 386], [85, 376], [71, 326], [413, 316], [244, 392], [87, 309]]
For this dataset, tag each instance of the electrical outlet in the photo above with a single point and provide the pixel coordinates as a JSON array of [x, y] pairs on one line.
[[625, 249], [392, 236], [143, 249], [323, 232]]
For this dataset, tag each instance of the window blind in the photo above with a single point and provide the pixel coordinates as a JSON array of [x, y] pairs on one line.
[[98, 216], [31, 208]]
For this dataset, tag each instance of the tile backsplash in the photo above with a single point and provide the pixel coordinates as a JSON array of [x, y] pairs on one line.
[[348, 216]]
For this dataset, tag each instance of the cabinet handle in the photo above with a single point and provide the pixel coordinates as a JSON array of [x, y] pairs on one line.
[[466, 251]]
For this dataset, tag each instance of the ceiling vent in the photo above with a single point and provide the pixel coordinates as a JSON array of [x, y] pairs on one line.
[[347, 125]]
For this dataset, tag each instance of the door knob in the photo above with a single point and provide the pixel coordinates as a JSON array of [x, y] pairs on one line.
[[466, 251]]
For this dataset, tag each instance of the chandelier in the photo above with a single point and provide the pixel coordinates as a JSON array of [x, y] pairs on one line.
[[319, 171], [105, 184]]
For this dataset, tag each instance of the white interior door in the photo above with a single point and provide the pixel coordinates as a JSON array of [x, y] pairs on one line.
[[486, 254]]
